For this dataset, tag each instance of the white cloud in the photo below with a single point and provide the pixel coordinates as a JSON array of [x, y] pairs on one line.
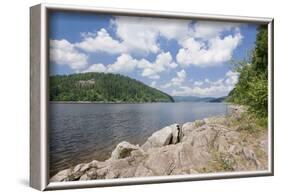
[[154, 77], [172, 65], [150, 73], [136, 33], [207, 29], [124, 64], [140, 34], [163, 61], [177, 81], [192, 45], [181, 75], [198, 83], [213, 52], [101, 41], [206, 80], [202, 44], [198, 91], [232, 77], [216, 88], [153, 84], [63, 52], [96, 68]]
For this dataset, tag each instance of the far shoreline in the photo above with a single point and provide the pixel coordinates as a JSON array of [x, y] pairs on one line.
[[96, 102]]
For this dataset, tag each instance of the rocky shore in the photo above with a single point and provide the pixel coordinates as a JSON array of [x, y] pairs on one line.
[[215, 144]]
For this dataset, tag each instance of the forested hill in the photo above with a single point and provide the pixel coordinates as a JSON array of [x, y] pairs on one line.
[[103, 87]]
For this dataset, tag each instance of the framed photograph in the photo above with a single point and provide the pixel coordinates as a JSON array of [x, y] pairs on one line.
[[121, 97]]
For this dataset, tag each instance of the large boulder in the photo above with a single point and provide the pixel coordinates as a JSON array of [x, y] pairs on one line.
[[189, 127], [172, 160], [80, 169], [123, 150], [63, 175], [165, 136]]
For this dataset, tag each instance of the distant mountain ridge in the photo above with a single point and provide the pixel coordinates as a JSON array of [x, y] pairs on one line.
[[103, 87], [198, 99]]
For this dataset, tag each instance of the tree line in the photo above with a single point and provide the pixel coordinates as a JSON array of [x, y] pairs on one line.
[[252, 87]]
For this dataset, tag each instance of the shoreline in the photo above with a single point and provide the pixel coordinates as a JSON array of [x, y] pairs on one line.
[[93, 102], [217, 139]]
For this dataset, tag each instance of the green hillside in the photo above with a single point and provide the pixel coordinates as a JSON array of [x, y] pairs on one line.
[[103, 87]]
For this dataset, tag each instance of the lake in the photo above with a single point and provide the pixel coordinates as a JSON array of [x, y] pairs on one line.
[[84, 132]]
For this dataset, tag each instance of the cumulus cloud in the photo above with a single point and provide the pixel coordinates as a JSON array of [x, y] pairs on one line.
[[123, 64], [178, 80], [213, 91], [163, 62], [126, 64], [204, 54], [96, 68], [232, 77], [63, 52], [207, 29], [101, 41], [140, 34], [198, 83], [153, 84], [201, 44], [216, 88], [137, 35]]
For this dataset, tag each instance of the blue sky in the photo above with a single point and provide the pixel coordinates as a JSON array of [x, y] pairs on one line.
[[180, 57]]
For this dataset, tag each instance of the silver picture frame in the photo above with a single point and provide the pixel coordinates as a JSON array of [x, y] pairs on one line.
[[39, 52]]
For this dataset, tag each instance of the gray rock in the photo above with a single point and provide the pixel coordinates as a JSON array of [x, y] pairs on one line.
[[61, 176], [264, 144], [138, 155], [79, 170], [89, 175], [85, 177], [142, 171], [193, 157], [251, 156], [128, 172], [165, 136], [161, 161], [101, 173], [123, 150], [192, 171], [189, 127], [112, 174]]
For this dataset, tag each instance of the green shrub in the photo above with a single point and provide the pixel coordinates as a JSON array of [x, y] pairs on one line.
[[252, 87]]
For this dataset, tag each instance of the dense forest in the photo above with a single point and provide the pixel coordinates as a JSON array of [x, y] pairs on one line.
[[252, 87], [103, 87]]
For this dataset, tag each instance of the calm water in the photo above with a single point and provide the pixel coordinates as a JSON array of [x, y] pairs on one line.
[[83, 132]]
